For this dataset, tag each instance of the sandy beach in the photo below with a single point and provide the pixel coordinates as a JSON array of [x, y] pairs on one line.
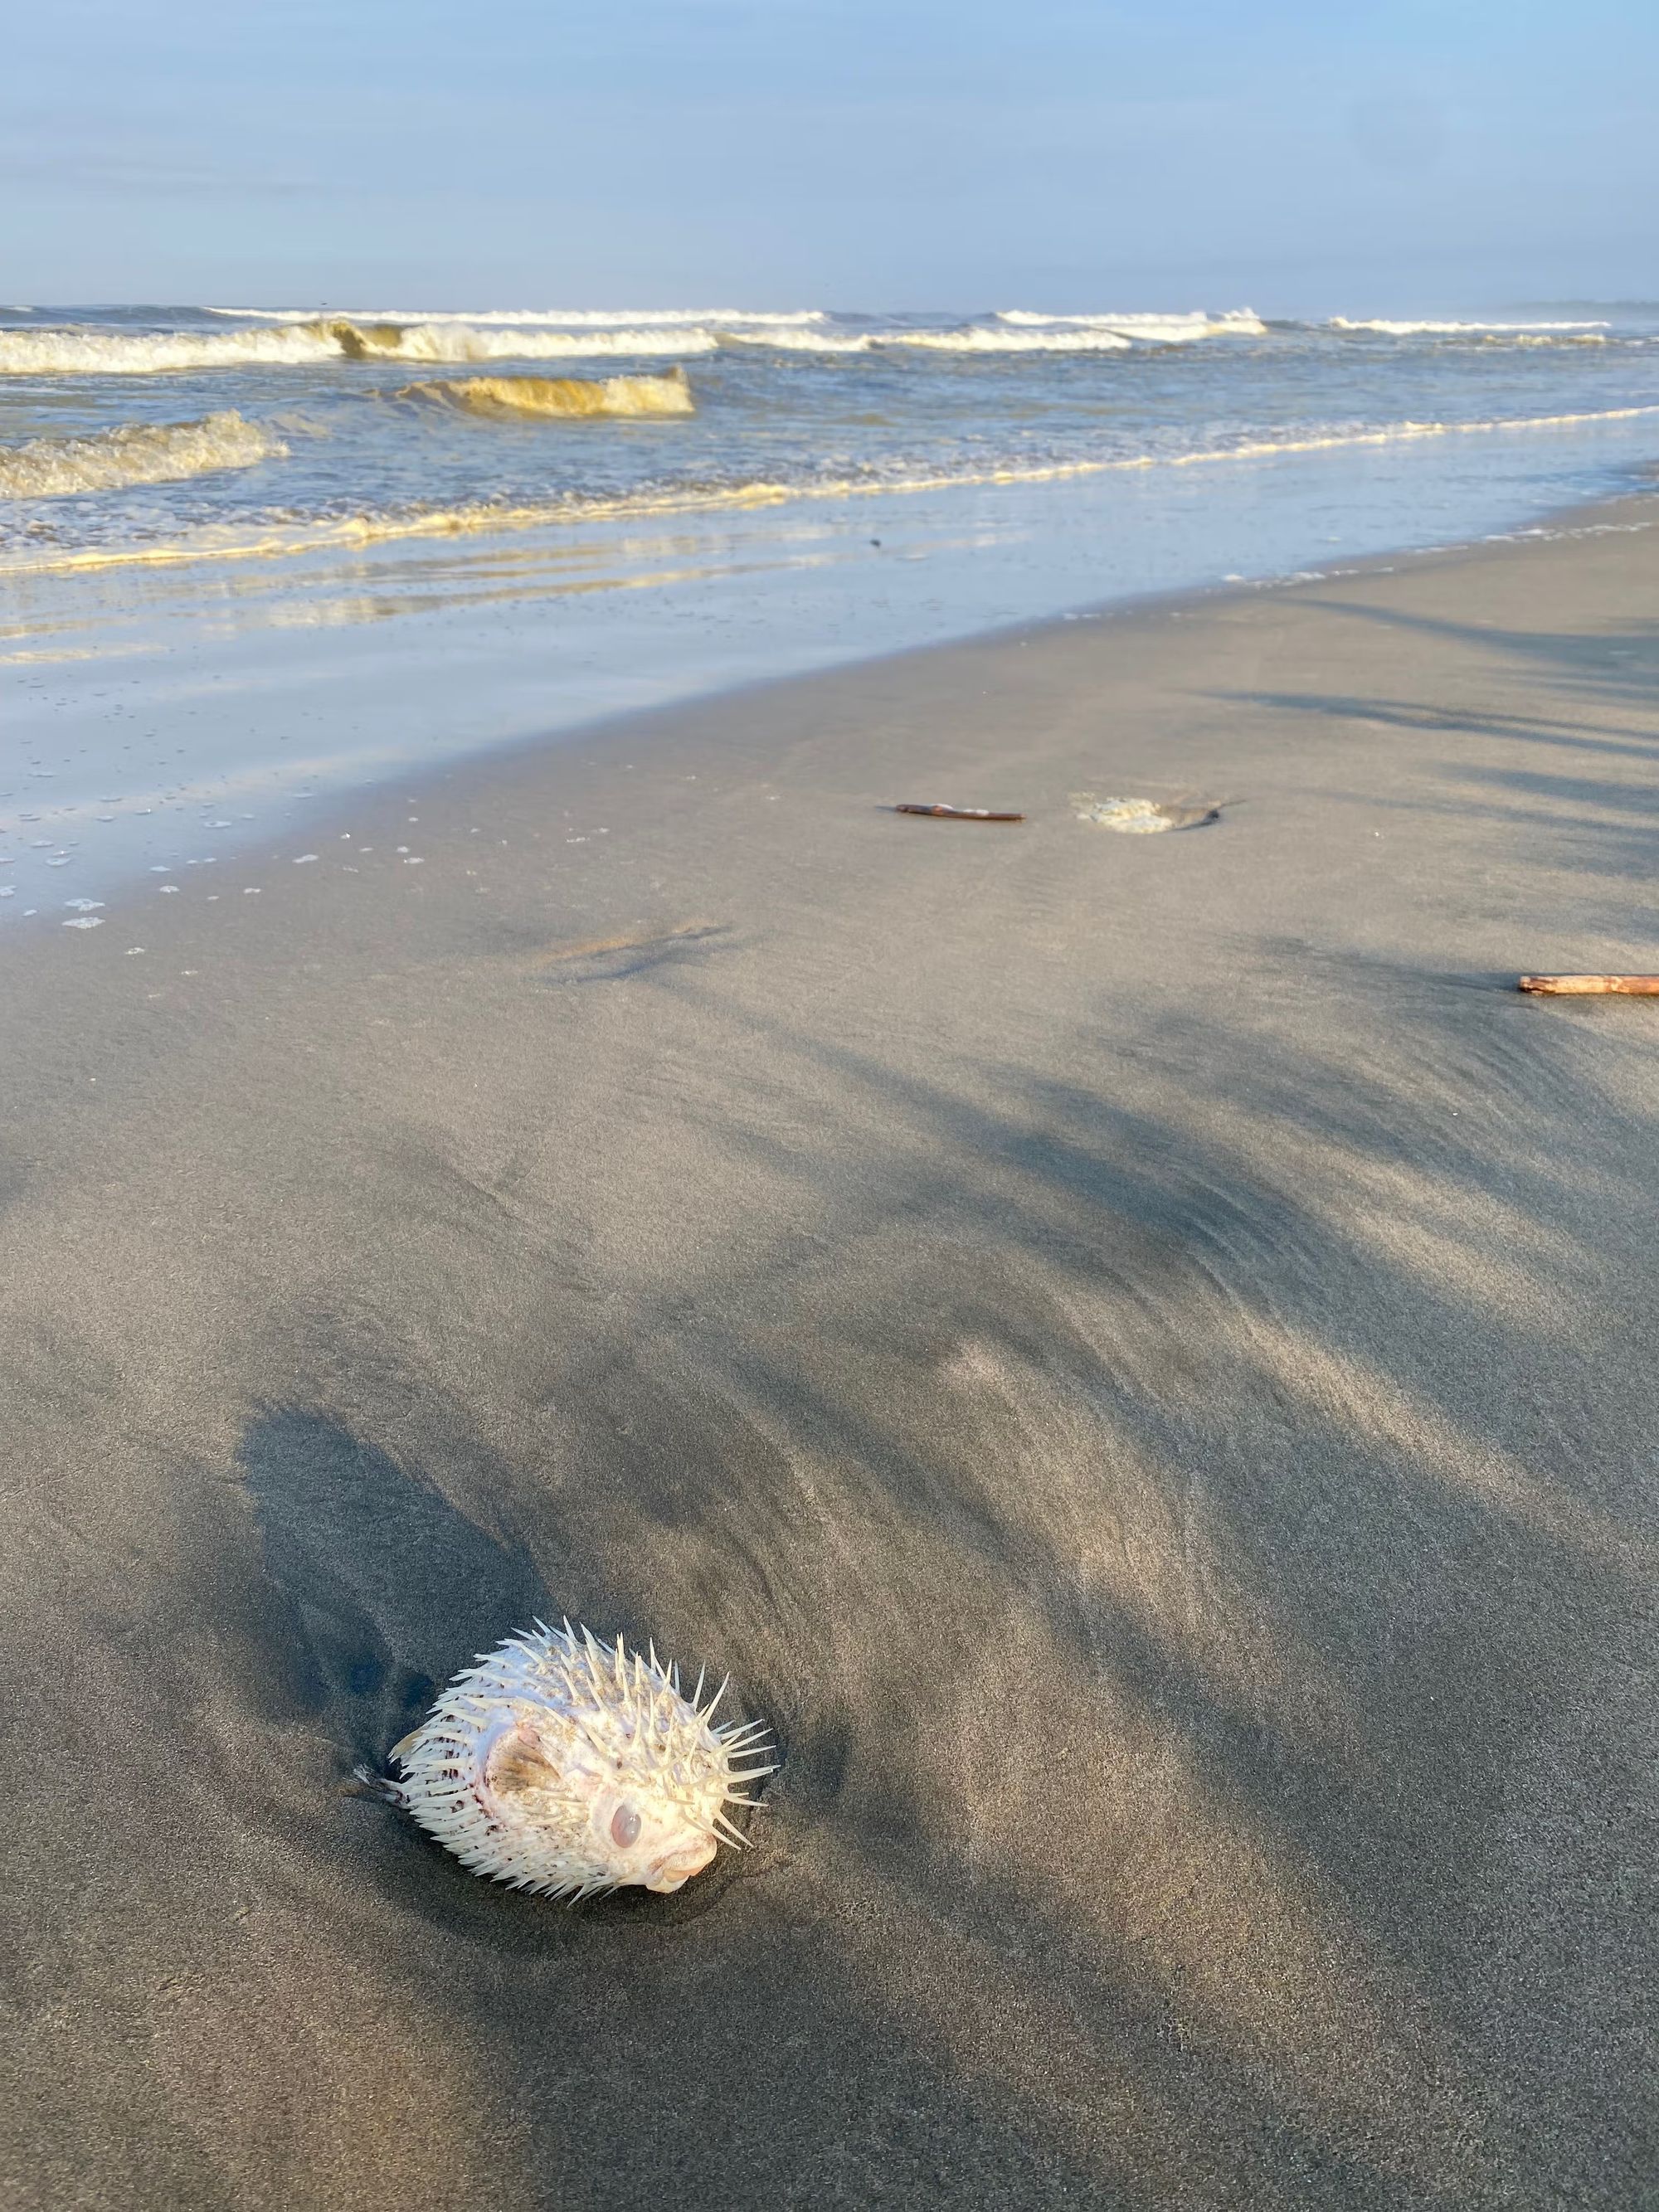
[[1136, 1353]]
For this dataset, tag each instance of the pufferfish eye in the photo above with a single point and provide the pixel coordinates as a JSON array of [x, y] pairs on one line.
[[624, 1827]]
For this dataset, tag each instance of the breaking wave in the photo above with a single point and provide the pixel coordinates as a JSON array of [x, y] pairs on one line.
[[465, 341], [111, 353], [499, 336], [1017, 330], [1148, 329], [566, 397], [804, 338], [299, 536], [99, 353], [533, 318], [979, 338], [134, 453]]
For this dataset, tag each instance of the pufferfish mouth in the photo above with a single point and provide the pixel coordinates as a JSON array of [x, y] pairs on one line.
[[677, 1868]]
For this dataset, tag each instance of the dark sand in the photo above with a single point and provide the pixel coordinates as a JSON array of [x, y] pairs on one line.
[[1137, 1352]]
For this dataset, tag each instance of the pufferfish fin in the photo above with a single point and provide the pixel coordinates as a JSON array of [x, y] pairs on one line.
[[399, 1750], [365, 1782]]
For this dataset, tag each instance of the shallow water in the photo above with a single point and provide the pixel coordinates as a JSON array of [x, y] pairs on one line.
[[468, 572]]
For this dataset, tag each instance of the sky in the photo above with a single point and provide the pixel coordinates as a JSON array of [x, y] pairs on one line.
[[1295, 156]]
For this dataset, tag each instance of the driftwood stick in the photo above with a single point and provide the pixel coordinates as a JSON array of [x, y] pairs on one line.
[[1582, 987], [955, 813]]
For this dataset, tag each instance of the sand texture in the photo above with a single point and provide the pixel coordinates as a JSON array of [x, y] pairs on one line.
[[1136, 1353]]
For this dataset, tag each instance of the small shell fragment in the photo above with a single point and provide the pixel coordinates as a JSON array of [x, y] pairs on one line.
[[1141, 818]]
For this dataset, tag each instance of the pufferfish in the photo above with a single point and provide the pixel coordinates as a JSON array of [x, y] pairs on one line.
[[561, 1766]]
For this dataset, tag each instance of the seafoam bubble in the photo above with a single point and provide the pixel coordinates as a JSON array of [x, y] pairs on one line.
[[86, 921], [559, 1765]]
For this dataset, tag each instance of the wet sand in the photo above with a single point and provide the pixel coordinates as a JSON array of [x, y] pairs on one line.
[[1136, 1352]]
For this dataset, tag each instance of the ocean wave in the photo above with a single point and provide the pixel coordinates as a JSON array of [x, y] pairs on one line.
[[445, 342], [134, 453], [1393, 330], [83, 352], [979, 338], [566, 397], [803, 340], [89, 352], [298, 535], [1149, 328], [535, 317]]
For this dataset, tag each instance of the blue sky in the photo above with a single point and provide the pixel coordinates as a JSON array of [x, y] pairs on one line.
[[1312, 155]]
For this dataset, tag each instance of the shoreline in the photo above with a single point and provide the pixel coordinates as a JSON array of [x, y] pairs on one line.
[[1133, 1350], [375, 701]]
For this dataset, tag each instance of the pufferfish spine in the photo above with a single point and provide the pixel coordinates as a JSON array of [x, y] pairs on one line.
[[560, 1765]]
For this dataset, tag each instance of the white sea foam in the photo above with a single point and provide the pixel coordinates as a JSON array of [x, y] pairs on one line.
[[981, 337], [134, 453], [806, 338], [533, 318], [86, 352], [1149, 328], [1016, 330], [465, 342]]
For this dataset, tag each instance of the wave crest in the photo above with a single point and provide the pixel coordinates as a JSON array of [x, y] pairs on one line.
[[134, 453], [565, 398], [1148, 329], [123, 353], [80, 352], [978, 337], [532, 318], [444, 342]]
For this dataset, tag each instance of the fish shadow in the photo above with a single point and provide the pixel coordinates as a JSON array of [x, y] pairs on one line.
[[387, 1585], [384, 1587], [618, 960]]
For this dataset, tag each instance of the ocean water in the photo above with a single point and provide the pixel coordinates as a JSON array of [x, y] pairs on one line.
[[251, 557]]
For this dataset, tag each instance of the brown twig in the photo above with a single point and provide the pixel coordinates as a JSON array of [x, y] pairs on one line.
[[955, 813], [1583, 987]]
